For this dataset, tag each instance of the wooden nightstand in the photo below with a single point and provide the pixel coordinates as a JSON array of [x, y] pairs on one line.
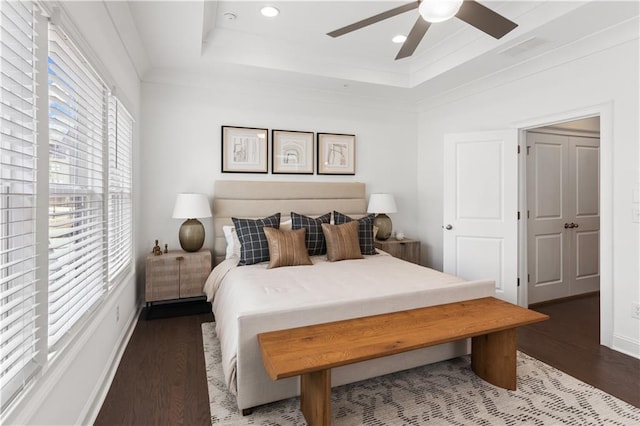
[[176, 275], [405, 249]]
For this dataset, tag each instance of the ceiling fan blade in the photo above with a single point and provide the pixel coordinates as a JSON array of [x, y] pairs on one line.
[[372, 20], [485, 19], [414, 38]]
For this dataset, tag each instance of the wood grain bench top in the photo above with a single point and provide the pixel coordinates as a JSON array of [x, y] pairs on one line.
[[302, 350]]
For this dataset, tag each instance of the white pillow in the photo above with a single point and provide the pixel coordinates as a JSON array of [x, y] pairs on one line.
[[233, 242]]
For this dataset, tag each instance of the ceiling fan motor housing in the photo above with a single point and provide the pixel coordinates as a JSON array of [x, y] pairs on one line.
[[439, 10]]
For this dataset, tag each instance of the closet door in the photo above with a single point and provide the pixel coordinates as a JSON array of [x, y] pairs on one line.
[[563, 209], [547, 203], [584, 208]]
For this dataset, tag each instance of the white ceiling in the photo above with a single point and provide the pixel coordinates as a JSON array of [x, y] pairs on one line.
[[196, 36]]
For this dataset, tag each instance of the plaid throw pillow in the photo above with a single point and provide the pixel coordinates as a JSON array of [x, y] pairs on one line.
[[365, 231], [314, 238], [253, 242]]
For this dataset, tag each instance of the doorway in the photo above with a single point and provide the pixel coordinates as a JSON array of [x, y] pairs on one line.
[[510, 180], [563, 217]]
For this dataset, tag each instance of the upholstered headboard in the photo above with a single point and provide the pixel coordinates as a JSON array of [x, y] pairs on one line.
[[248, 199]]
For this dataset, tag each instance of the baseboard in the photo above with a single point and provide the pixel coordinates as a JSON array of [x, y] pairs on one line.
[[95, 404], [627, 346], [34, 399]]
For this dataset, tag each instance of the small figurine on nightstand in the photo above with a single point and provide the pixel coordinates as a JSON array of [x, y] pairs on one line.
[[156, 249], [166, 248]]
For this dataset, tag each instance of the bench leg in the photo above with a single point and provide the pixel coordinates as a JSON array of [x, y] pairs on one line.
[[315, 397], [493, 358]]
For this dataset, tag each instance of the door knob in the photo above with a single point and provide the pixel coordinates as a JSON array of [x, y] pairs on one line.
[[575, 225], [566, 225], [448, 227]]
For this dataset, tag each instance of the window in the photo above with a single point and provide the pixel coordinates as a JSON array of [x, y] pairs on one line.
[[77, 240], [18, 347], [88, 246], [120, 230]]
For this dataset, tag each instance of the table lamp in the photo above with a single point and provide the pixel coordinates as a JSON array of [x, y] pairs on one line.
[[382, 204], [190, 207]]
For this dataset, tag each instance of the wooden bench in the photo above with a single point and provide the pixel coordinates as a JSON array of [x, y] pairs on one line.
[[312, 351]]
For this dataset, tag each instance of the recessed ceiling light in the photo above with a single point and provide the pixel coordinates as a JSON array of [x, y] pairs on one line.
[[269, 11], [229, 16], [399, 38]]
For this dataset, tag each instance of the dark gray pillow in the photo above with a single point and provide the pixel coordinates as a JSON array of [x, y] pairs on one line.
[[314, 238], [254, 247], [365, 231]]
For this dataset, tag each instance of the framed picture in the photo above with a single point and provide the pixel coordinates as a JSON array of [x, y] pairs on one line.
[[244, 150], [336, 154], [292, 152]]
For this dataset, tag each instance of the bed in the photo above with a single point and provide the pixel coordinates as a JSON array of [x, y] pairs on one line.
[[247, 300]]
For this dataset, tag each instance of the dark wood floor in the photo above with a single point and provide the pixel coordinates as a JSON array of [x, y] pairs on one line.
[[161, 379], [570, 341]]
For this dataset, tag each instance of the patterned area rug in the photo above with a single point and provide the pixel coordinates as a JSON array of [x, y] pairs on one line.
[[445, 393]]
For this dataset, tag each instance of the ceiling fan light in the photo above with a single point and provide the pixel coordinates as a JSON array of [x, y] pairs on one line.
[[399, 38], [439, 10], [270, 11]]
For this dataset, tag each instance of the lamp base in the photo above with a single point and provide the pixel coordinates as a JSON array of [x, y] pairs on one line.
[[383, 222], [191, 235]]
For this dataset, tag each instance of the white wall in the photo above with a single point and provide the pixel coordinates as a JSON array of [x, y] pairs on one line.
[[575, 78], [182, 117], [72, 387], [177, 136]]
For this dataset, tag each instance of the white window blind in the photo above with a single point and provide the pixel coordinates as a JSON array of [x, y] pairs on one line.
[[120, 214], [77, 228], [18, 347]]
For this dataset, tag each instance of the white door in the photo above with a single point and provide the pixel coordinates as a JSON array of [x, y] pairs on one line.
[[584, 172], [563, 210], [548, 260], [480, 228]]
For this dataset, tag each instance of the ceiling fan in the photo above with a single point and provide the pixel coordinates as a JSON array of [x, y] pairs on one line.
[[432, 11]]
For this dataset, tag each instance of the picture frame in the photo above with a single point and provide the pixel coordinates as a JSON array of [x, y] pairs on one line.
[[292, 152], [244, 150], [336, 154]]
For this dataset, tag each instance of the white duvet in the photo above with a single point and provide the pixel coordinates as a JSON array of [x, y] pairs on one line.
[[350, 288]]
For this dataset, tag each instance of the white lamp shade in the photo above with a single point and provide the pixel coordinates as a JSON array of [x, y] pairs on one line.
[[381, 203], [191, 206], [439, 10]]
